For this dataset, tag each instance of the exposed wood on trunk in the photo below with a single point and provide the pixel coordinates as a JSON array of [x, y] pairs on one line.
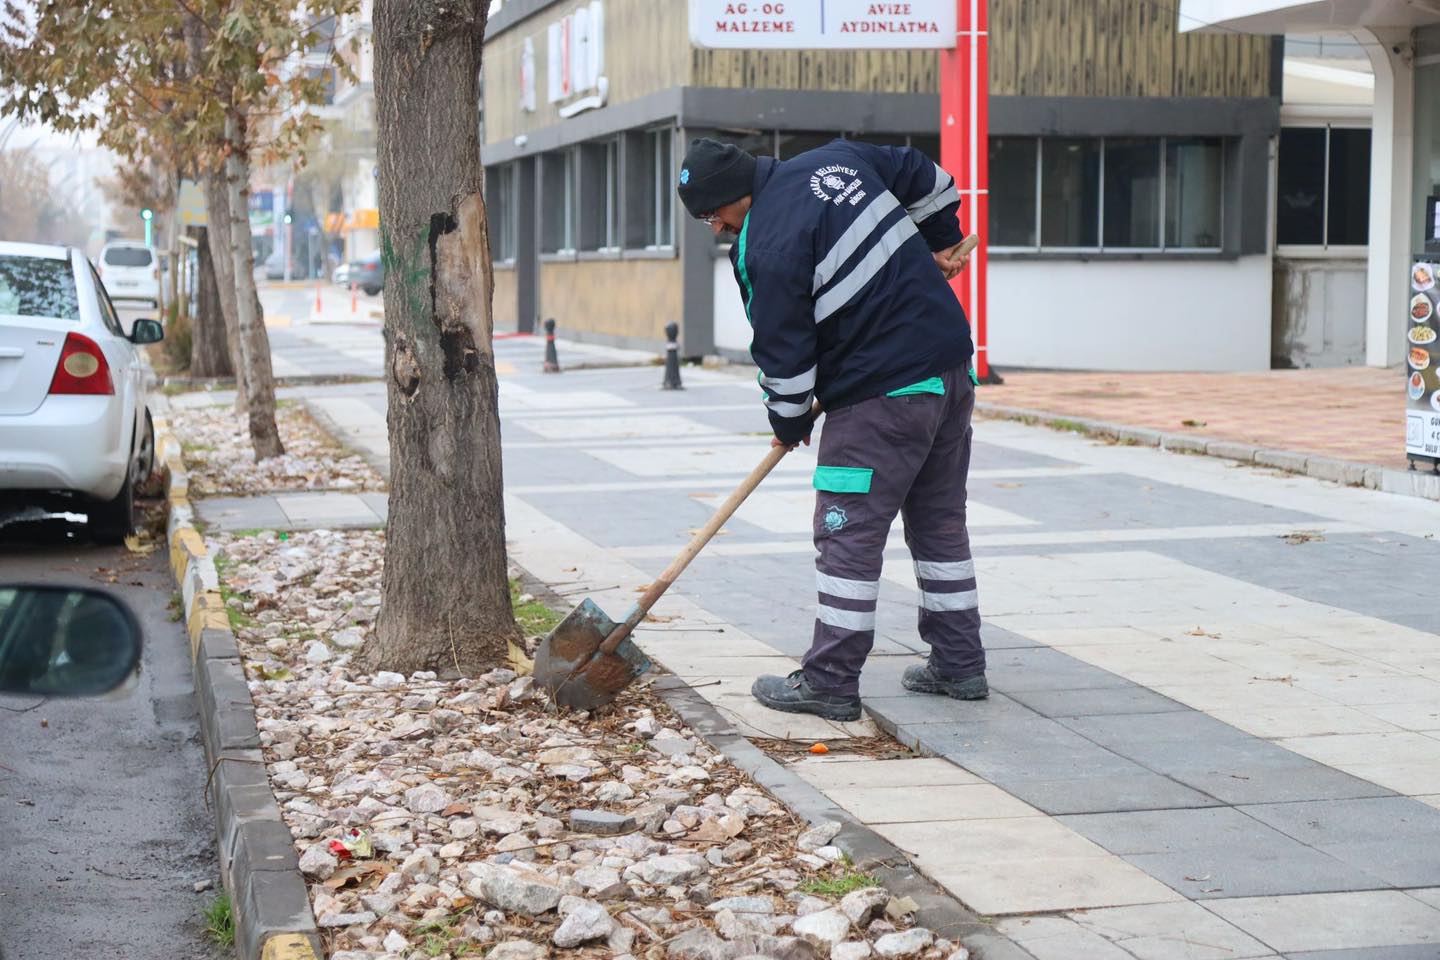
[[446, 600]]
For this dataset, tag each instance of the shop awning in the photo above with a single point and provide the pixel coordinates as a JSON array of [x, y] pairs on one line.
[[1288, 16]]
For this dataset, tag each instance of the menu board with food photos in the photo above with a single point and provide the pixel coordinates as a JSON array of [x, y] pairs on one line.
[[1422, 350]]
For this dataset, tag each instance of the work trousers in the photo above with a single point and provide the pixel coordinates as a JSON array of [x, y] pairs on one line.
[[895, 454]]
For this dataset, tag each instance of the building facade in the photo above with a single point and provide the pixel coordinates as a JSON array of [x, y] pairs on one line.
[[1130, 183]]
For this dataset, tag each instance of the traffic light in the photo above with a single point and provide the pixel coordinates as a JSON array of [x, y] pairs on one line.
[[288, 218]]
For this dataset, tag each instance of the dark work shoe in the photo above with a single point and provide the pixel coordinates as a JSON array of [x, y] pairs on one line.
[[921, 679], [793, 694]]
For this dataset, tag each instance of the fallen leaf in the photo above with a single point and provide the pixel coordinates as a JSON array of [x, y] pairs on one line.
[[355, 873], [1192, 423], [1199, 879]]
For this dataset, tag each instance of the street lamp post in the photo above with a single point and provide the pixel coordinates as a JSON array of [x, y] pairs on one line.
[[148, 216]]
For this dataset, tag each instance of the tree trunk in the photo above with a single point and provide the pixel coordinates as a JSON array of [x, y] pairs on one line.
[[217, 236], [446, 599], [209, 350], [254, 341]]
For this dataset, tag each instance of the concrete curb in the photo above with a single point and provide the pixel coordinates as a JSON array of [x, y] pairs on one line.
[[258, 864], [1408, 483], [939, 911]]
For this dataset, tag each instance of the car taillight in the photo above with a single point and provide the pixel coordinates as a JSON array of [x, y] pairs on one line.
[[82, 368]]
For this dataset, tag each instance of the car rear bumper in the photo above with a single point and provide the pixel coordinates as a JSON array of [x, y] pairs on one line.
[[76, 444]]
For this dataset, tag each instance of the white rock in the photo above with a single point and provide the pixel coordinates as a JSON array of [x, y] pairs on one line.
[[665, 870], [514, 889], [646, 727], [347, 639], [851, 950], [464, 827], [451, 850], [613, 791], [600, 882], [960, 954], [864, 905], [317, 652], [825, 929], [829, 853], [317, 861], [385, 680], [585, 922], [907, 943], [426, 798], [743, 905], [420, 865], [818, 836], [690, 774], [363, 918], [565, 755], [394, 942]]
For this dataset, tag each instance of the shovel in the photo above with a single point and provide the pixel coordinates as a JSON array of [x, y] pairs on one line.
[[588, 658]]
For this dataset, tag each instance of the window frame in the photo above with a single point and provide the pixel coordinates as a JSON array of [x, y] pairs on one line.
[[1324, 249], [1040, 248], [506, 226], [568, 249]]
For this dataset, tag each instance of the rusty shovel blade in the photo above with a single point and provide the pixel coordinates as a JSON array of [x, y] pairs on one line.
[[569, 665]]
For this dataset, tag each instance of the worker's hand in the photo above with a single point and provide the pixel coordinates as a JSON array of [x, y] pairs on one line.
[[777, 442], [951, 261]]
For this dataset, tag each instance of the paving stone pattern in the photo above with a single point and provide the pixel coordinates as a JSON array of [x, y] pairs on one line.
[[1198, 723]]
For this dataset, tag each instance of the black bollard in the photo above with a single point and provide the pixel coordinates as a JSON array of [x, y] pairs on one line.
[[672, 358], [552, 362]]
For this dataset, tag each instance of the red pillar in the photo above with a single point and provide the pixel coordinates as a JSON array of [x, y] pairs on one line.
[[965, 153]]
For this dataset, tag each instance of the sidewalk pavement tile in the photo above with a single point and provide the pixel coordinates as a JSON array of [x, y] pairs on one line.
[[1281, 722], [1332, 921], [1042, 668], [895, 804], [1170, 931], [1363, 691], [731, 696], [1429, 896], [1024, 751], [1367, 748], [379, 502], [1057, 938], [1412, 952], [1411, 778], [1126, 700], [242, 513], [1139, 791], [1022, 865], [1433, 800], [919, 772], [320, 509]]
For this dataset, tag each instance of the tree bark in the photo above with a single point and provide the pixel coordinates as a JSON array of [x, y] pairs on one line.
[[209, 348], [254, 341], [217, 237], [445, 602]]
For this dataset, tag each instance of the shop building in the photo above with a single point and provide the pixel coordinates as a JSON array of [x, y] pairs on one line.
[[1400, 39], [1130, 173]]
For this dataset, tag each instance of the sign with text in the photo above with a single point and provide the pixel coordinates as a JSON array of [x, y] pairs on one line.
[[1422, 367], [822, 24]]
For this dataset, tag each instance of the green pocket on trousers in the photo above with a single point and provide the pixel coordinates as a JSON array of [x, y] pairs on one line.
[[843, 479]]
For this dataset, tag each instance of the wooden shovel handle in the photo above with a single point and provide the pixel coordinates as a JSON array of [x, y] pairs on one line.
[[662, 583]]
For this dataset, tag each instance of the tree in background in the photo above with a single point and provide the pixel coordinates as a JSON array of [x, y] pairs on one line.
[[30, 209], [219, 82], [330, 160], [445, 598]]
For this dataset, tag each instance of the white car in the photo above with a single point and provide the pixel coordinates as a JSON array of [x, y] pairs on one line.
[[75, 433], [131, 272]]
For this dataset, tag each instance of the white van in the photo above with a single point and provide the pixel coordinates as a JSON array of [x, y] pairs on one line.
[[131, 273]]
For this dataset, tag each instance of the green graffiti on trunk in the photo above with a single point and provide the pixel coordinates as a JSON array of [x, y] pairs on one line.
[[413, 272]]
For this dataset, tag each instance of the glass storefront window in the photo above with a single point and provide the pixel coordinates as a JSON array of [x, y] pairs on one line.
[[1069, 193], [1132, 193]]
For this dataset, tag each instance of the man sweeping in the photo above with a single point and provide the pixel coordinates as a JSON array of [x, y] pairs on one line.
[[843, 256]]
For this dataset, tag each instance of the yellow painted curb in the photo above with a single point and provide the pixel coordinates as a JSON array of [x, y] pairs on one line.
[[208, 610], [288, 946]]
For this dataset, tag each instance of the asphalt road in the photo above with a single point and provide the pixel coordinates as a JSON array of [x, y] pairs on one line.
[[103, 826]]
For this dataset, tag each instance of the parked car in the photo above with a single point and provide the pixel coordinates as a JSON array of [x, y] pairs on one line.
[[341, 275], [275, 266], [75, 432], [369, 274], [131, 272]]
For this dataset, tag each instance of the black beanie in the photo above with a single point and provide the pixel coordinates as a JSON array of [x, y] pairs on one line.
[[714, 174]]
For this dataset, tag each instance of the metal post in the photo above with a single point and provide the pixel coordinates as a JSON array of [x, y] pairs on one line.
[[672, 358], [552, 362], [965, 153]]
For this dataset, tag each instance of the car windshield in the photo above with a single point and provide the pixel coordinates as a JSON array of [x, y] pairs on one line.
[[37, 287], [128, 257]]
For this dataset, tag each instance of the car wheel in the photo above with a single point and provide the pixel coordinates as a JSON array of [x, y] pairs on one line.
[[114, 520], [371, 291], [145, 478]]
